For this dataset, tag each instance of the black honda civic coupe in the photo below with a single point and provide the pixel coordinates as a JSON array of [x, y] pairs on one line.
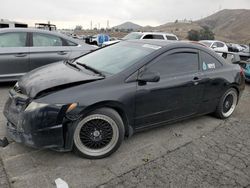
[[90, 104]]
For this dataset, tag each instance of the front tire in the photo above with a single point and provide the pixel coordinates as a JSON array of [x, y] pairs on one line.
[[227, 104], [99, 134]]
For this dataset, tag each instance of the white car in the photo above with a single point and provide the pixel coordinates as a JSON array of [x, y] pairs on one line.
[[144, 35], [216, 45]]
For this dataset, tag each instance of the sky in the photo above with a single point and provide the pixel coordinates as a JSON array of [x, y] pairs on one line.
[[69, 13]]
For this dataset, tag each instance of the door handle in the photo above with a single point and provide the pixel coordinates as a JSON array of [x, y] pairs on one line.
[[21, 55], [62, 53]]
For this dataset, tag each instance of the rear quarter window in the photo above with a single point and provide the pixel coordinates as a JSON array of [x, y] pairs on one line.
[[209, 63]]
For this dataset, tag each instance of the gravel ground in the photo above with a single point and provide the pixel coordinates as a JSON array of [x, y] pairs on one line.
[[200, 152]]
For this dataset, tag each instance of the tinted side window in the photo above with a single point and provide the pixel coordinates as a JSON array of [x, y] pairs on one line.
[[148, 37], [209, 62], [158, 37], [13, 40], [176, 63], [40, 39], [171, 37], [153, 37]]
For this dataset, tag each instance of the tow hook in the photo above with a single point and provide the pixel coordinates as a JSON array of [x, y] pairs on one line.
[[4, 142]]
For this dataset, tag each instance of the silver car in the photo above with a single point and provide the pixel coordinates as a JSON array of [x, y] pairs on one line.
[[24, 49]]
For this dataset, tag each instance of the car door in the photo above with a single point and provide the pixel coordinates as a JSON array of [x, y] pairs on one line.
[[214, 88], [14, 54], [46, 49], [176, 95]]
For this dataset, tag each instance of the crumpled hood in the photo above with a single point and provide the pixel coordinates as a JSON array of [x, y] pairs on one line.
[[53, 75]]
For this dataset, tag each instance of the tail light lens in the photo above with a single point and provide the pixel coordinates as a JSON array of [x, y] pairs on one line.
[[241, 71]]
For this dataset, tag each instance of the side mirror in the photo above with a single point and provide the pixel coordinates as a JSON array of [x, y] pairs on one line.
[[236, 58], [149, 77]]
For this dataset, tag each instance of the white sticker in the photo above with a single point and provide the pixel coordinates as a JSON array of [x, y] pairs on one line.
[[151, 46], [211, 66]]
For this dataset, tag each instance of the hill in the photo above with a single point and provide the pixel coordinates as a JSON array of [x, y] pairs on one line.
[[128, 26], [229, 25]]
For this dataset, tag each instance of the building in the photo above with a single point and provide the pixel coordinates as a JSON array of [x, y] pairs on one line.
[[7, 23]]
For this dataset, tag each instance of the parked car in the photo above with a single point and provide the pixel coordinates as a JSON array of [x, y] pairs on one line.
[[98, 39], [144, 35], [245, 54], [88, 105], [235, 47], [22, 50], [217, 46], [245, 65]]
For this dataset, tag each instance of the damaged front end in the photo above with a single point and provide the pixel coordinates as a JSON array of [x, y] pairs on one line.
[[38, 125]]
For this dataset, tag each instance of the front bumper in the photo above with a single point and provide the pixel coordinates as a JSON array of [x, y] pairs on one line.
[[39, 128]]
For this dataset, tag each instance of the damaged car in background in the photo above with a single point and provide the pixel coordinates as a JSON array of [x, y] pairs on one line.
[[90, 104]]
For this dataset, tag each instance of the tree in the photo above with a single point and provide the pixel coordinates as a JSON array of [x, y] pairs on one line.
[[206, 34], [193, 35]]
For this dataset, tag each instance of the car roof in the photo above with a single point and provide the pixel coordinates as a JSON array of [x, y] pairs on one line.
[[172, 44], [33, 30], [210, 41], [156, 33]]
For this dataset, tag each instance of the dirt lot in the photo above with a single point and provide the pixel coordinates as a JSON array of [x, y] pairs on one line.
[[200, 152]]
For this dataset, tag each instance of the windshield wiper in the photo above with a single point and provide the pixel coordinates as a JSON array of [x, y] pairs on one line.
[[69, 62], [91, 69]]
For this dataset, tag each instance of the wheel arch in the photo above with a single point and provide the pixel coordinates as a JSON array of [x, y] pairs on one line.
[[118, 107], [236, 87]]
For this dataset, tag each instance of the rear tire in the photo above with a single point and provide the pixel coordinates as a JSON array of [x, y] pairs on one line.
[[227, 104], [99, 134]]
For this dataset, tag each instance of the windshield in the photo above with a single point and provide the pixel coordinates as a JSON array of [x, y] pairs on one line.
[[118, 57], [132, 36], [208, 44]]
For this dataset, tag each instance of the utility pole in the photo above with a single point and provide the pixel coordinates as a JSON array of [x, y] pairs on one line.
[[107, 24]]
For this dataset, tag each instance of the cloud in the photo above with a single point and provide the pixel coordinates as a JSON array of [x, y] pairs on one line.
[[68, 13]]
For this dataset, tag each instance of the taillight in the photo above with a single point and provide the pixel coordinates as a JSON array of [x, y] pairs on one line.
[[241, 71]]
